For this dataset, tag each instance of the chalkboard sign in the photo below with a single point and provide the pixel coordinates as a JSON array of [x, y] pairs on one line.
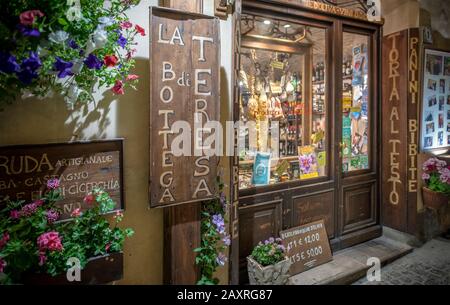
[[80, 167], [185, 101], [307, 246]]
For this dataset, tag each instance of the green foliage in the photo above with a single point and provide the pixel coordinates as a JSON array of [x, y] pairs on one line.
[[87, 235], [214, 239], [435, 184], [80, 86], [269, 252]]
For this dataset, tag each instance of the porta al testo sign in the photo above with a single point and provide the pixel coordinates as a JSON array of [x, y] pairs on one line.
[[184, 92]]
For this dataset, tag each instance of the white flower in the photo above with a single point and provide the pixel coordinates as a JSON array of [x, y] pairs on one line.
[[72, 95], [58, 36], [77, 66], [26, 94], [97, 40], [105, 21]]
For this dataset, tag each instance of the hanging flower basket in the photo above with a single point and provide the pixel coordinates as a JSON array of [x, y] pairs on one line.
[[98, 270], [69, 47]]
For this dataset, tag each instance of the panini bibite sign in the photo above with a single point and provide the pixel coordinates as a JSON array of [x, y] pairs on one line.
[[80, 167], [184, 69]]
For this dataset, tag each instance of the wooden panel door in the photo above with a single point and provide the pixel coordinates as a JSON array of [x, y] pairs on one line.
[[357, 116]]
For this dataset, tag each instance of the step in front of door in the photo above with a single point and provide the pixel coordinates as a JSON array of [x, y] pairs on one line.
[[350, 264]]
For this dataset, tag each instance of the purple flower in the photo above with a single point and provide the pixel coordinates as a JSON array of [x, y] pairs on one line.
[[26, 76], [29, 32], [29, 209], [52, 216], [226, 240], [52, 184], [72, 44], [64, 68], [33, 62], [8, 63], [28, 68], [122, 41], [221, 259], [92, 62], [219, 222]]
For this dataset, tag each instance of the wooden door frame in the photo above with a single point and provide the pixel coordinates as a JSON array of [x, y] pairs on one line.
[[295, 12]]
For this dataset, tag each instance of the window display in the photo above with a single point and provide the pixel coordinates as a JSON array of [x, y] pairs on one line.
[[282, 102], [436, 100], [355, 103]]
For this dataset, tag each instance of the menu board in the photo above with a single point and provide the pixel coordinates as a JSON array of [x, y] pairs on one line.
[[436, 100], [79, 166], [307, 246]]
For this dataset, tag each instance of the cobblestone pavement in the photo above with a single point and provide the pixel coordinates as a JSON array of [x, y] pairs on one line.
[[428, 265]]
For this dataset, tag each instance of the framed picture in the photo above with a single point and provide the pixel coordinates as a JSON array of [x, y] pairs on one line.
[[435, 114]]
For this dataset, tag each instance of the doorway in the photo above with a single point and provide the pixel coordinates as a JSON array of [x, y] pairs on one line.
[[308, 99]]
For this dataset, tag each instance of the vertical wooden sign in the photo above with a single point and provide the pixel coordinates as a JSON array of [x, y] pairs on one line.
[[413, 126], [184, 69], [394, 112], [400, 129]]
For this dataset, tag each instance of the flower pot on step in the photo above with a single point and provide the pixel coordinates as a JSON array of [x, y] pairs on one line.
[[277, 274], [433, 200]]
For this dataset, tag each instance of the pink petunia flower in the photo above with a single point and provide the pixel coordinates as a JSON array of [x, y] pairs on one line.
[[76, 213], [28, 17], [125, 25], [426, 176], [118, 88], [49, 241], [39, 202], [108, 245], [132, 77], [14, 214]]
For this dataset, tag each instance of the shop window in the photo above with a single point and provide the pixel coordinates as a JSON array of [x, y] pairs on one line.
[[355, 103], [282, 102]]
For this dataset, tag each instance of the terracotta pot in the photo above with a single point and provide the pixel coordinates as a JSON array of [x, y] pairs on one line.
[[277, 274], [433, 200], [98, 270]]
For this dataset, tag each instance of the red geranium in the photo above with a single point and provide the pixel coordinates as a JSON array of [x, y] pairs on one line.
[[140, 30], [110, 60]]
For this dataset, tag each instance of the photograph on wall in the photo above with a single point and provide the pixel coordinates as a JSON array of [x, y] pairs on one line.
[[432, 84], [447, 66], [441, 103], [433, 64], [435, 100], [442, 86]]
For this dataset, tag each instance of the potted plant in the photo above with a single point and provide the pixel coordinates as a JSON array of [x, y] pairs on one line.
[[268, 264], [37, 248], [436, 175]]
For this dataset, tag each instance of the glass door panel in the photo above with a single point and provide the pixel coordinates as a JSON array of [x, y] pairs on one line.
[[355, 103], [283, 132]]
